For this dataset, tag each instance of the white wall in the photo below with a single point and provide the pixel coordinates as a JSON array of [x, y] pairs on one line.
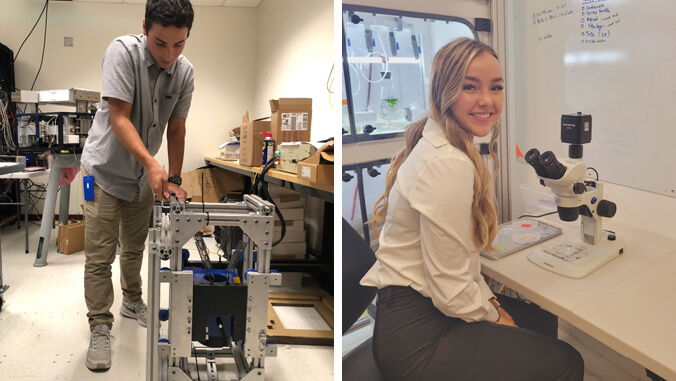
[[238, 54], [294, 55]]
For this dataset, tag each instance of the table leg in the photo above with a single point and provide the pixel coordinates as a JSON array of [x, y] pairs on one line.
[[64, 204], [25, 209], [18, 203]]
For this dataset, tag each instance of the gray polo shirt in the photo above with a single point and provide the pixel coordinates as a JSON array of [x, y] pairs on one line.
[[131, 75]]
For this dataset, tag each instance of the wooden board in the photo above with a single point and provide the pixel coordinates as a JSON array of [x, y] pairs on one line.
[[323, 304]]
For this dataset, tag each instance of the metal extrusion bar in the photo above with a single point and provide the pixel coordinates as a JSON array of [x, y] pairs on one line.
[[240, 361], [174, 226], [153, 329], [257, 312], [180, 314]]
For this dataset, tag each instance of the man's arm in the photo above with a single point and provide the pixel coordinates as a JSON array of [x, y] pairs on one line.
[[125, 131], [175, 151]]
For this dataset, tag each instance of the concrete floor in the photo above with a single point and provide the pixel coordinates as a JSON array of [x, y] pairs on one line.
[[44, 333]]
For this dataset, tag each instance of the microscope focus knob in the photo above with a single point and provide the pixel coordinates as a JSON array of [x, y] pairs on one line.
[[606, 208], [579, 188]]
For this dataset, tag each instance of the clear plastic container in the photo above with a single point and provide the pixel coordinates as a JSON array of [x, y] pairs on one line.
[[537, 199]]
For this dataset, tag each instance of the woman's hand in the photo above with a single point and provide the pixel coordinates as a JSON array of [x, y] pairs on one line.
[[504, 318]]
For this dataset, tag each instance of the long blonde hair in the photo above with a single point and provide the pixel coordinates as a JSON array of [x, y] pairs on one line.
[[448, 73]]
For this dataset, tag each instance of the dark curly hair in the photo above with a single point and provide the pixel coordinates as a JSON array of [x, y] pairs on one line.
[[177, 13]]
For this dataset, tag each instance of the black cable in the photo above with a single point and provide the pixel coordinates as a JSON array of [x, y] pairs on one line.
[[44, 43], [266, 194], [31, 32], [542, 215], [260, 188], [260, 178], [595, 171]]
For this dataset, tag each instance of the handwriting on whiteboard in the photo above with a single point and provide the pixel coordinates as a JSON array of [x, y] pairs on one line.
[[596, 20], [549, 15]]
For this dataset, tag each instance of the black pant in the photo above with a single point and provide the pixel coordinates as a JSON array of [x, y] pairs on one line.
[[413, 340]]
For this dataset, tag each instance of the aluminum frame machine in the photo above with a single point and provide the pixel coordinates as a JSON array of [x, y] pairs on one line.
[[227, 318]]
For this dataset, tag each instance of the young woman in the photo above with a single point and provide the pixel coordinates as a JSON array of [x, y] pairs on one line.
[[437, 318]]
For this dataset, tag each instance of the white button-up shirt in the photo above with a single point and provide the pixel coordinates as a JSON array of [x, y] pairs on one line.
[[427, 241]]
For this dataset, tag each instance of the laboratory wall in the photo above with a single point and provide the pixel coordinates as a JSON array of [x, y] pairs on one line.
[[223, 47], [294, 56]]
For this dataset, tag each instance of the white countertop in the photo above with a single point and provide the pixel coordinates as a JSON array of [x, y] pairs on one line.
[[625, 304], [636, 317], [25, 175]]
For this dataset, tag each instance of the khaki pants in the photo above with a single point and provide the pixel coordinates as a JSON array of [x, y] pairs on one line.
[[110, 220]]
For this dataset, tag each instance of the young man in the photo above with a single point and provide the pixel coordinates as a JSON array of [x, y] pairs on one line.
[[147, 88]]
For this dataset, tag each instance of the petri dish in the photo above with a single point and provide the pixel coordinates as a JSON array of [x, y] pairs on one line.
[[525, 238], [525, 224]]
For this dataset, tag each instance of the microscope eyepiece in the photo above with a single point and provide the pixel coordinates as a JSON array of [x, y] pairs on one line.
[[533, 158], [554, 168]]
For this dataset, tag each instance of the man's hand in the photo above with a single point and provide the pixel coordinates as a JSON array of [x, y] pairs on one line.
[[157, 177], [172, 188]]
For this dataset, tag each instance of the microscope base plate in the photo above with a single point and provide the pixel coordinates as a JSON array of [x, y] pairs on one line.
[[575, 259]]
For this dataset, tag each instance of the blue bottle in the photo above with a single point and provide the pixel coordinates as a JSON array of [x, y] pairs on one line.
[[268, 147]]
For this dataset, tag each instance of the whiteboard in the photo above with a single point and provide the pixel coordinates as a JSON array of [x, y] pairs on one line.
[[613, 59]]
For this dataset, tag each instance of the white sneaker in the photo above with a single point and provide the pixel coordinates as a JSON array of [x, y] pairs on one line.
[[136, 311], [98, 355]]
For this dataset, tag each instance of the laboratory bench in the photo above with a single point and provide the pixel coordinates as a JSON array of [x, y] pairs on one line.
[[322, 267], [22, 179], [625, 304]]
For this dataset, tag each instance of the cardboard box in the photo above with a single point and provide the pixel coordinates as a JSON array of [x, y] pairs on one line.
[[318, 168], [291, 119], [70, 238], [251, 141], [290, 225], [277, 191], [297, 249], [290, 201], [291, 235], [292, 153], [212, 183], [230, 151], [292, 213]]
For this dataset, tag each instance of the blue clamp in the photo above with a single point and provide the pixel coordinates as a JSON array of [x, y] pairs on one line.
[[246, 273], [186, 254], [164, 315]]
